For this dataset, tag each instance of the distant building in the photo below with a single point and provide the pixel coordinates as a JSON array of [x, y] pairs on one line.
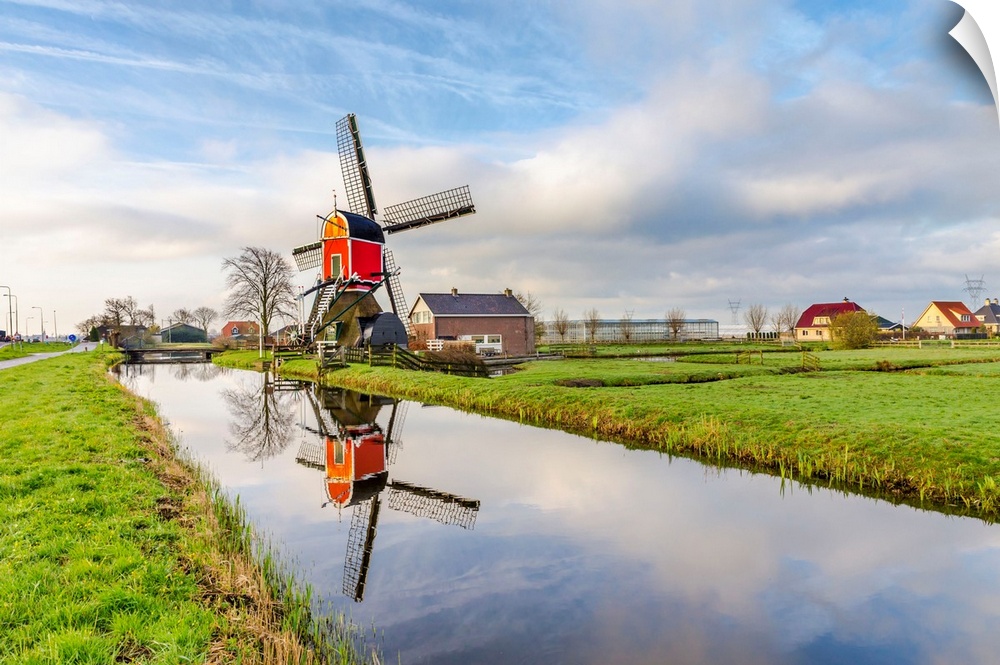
[[814, 324], [638, 331], [240, 329], [183, 333], [887, 326], [948, 319], [989, 317], [116, 335], [494, 322]]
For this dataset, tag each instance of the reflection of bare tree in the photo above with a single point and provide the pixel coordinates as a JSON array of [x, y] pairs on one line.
[[196, 371], [262, 420]]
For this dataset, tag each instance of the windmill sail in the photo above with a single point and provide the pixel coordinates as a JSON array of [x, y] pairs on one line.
[[354, 168], [360, 541], [429, 209], [443, 507], [396, 297], [308, 257]]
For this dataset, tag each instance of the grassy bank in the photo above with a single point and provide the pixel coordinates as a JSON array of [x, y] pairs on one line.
[[114, 550], [863, 423], [21, 349]]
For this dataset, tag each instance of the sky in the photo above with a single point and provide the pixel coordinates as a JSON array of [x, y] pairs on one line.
[[631, 156]]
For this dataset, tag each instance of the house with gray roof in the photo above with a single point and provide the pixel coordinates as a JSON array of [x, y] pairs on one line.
[[989, 316], [494, 322]]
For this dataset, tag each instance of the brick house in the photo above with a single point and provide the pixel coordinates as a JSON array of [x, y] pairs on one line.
[[494, 322]]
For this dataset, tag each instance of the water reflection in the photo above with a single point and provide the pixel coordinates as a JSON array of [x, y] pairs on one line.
[[354, 452], [583, 551], [261, 423], [129, 373]]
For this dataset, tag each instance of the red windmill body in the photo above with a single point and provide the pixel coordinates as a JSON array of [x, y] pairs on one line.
[[352, 246]]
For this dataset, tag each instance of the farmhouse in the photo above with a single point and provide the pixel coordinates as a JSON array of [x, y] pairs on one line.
[[239, 329], [495, 322], [989, 317], [948, 319], [814, 324]]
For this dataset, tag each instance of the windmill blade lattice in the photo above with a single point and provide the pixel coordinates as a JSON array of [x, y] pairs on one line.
[[396, 297], [429, 209], [308, 257], [354, 168]]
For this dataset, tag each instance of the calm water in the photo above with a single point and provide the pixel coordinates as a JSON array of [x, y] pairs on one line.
[[491, 542]]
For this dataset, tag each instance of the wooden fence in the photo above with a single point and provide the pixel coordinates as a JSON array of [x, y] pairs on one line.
[[393, 356]]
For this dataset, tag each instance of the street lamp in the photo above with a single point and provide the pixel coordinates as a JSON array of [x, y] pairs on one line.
[[9, 313], [17, 315], [26, 329], [55, 326], [41, 318]]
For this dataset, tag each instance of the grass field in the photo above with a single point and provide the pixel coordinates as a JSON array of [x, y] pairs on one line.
[[19, 349], [863, 422], [112, 550]]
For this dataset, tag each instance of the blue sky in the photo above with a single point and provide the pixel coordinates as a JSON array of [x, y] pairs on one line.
[[629, 156]]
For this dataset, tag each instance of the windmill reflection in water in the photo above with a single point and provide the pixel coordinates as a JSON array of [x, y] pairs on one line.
[[355, 453]]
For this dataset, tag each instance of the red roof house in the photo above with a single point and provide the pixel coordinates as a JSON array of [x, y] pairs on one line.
[[240, 328], [948, 318], [814, 324]]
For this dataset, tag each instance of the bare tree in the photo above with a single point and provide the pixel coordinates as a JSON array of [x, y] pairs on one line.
[[146, 317], [592, 321], [534, 307], [204, 316], [756, 318], [116, 311], [132, 310], [260, 283], [675, 321], [182, 315], [625, 327], [774, 318], [786, 318], [90, 323], [560, 321]]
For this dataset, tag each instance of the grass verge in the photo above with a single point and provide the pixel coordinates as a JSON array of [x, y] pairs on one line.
[[112, 549]]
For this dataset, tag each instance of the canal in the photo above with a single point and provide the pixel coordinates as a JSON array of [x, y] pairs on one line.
[[465, 539]]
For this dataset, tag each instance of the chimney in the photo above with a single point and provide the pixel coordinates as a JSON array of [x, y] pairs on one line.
[[454, 291], [508, 292]]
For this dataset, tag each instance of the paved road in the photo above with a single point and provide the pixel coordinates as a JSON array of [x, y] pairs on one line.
[[84, 346]]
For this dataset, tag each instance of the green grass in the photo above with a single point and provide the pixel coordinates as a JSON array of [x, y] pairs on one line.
[[920, 435], [88, 571], [19, 350], [112, 550]]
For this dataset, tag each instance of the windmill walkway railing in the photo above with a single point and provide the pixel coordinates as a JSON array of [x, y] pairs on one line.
[[396, 357]]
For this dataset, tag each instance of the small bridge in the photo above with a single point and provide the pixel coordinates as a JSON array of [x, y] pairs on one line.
[[171, 354]]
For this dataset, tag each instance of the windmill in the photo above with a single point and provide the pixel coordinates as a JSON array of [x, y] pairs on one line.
[[353, 258], [355, 454]]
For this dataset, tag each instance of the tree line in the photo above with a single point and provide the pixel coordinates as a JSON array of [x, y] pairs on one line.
[[122, 312]]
